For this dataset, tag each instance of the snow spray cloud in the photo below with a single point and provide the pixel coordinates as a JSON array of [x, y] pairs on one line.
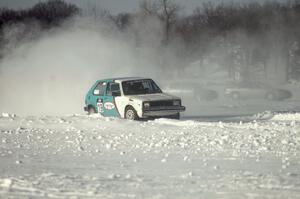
[[52, 73]]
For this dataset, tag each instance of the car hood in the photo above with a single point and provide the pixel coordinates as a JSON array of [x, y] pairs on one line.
[[153, 97]]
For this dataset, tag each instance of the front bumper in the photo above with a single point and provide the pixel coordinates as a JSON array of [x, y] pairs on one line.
[[162, 111]]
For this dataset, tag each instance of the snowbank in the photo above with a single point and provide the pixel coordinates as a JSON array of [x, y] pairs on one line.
[[95, 157]]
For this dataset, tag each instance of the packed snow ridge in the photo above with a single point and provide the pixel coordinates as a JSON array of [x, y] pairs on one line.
[[92, 156]]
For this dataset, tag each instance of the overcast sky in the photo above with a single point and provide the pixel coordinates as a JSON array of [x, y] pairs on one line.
[[115, 6]]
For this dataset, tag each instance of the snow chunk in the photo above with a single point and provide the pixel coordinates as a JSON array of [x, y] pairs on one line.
[[96, 115], [264, 115], [7, 115], [19, 162], [6, 182], [176, 122], [287, 117]]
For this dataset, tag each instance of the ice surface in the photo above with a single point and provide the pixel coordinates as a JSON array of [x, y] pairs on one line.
[[80, 156]]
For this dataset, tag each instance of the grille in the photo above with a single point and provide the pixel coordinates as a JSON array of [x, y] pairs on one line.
[[161, 103]]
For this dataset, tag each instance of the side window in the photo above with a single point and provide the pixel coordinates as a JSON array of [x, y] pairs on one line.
[[112, 87], [100, 88]]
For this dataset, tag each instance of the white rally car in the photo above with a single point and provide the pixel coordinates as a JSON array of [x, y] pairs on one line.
[[131, 98]]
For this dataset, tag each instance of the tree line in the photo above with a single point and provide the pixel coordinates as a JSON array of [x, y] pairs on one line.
[[246, 40], [48, 13]]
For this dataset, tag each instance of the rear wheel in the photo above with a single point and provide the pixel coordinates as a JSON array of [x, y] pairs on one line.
[[91, 110], [131, 114]]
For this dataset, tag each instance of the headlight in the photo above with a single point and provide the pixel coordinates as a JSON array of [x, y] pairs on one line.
[[176, 103], [146, 105]]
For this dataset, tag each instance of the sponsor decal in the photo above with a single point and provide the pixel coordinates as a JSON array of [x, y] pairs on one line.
[[109, 106], [100, 107]]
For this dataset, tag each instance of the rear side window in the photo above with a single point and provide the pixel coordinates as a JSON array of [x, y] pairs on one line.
[[100, 88], [112, 87], [115, 87]]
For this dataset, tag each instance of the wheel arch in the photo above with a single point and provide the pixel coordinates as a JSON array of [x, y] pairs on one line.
[[91, 106], [128, 107]]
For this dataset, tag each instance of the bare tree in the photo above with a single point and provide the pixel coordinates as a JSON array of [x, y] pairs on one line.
[[149, 7], [123, 20], [165, 10], [52, 11], [169, 16]]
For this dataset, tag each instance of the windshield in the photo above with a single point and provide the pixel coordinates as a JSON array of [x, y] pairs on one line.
[[140, 87]]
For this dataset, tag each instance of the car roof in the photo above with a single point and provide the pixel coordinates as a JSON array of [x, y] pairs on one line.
[[123, 79]]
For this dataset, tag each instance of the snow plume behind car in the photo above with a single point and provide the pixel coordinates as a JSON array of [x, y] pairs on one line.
[[48, 72], [51, 73]]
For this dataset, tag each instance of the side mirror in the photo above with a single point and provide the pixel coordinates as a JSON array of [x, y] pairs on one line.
[[96, 92], [116, 93]]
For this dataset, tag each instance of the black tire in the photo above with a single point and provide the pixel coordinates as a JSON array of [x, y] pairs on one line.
[[131, 114], [91, 110]]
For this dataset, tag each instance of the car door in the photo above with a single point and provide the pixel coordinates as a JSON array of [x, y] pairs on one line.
[[98, 96], [110, 108]]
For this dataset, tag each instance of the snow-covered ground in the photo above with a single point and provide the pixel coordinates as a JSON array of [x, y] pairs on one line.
[[80, 156]]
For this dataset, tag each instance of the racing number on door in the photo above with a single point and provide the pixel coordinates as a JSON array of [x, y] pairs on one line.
[[99, 93]]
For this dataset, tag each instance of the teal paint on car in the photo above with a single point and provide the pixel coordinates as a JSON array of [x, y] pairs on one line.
[[100, 100]]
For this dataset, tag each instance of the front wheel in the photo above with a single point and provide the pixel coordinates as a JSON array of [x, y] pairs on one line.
[[131, 114]]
